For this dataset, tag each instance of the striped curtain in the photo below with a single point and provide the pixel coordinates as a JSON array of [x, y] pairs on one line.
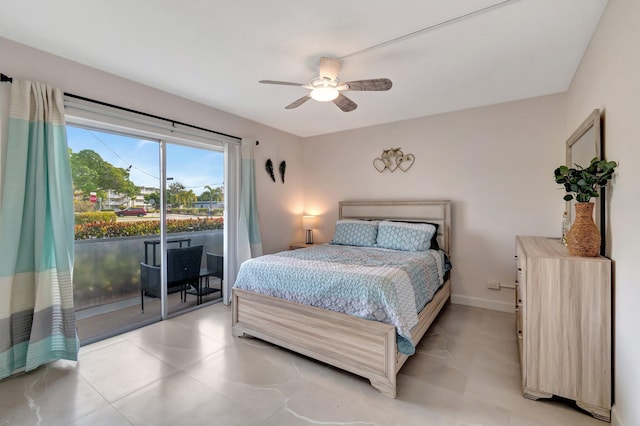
[[37, 319], [249, 241]]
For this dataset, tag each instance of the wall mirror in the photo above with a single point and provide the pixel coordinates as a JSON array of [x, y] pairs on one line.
[[584, 144]]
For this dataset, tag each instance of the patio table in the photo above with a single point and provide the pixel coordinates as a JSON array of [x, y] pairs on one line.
[[154, 244]]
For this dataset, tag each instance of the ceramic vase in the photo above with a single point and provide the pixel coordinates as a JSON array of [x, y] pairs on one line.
[[583, 239]]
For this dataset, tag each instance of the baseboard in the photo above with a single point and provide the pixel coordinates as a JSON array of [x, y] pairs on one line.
[[615, 420], [478, 302]]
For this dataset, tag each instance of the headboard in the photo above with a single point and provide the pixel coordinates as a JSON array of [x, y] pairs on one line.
[[435, 211]]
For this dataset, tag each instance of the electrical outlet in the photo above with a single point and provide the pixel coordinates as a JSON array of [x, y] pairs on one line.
[[493, 285]]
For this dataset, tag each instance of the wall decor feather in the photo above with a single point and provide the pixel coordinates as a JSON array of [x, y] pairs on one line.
[[269, 166], [283, 167]]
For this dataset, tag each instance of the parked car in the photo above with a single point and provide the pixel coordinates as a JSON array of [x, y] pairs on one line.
[[132, 211]]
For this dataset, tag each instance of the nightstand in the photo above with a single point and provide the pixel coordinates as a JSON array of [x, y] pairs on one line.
[[301, 245]]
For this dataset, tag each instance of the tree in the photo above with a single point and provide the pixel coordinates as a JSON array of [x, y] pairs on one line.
[[84, 172], [189, 197], [90, 173], [155, 197], [212, 194], [174, 194]]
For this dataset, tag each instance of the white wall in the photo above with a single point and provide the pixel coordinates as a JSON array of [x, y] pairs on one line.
[[494, 163], [609, 78], [279, 205]]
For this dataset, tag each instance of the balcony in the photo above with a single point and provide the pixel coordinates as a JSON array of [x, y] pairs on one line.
[[106, 282]]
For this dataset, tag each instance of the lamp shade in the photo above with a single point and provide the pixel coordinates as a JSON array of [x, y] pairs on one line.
[[309, 222]]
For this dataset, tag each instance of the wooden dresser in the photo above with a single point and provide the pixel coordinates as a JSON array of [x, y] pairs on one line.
[[563, 321]]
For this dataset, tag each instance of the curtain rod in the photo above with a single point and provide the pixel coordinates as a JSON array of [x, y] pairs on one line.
[[6, 78]]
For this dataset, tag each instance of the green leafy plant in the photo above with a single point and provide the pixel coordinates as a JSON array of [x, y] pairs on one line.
[[90, 217], [94, 230], [583, 183]]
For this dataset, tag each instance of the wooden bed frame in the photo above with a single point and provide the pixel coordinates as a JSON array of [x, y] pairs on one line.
[[363, 347]]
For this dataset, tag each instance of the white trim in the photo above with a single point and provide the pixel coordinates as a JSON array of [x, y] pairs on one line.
[[478, 302], [162, 166], [231, 214], [615, 419], [92, 115]]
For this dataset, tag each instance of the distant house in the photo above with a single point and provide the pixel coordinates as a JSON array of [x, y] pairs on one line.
[[142, 191], [115, 200]]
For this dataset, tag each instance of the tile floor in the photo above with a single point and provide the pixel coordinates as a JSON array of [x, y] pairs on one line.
[[189, 370]]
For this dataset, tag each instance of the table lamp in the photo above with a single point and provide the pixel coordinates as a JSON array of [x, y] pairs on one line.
[[308, 224]]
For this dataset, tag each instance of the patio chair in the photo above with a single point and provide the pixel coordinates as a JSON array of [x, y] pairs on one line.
[[215, 268], [183, 269]]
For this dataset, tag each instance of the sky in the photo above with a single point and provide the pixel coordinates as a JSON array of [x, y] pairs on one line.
[[192, 167]]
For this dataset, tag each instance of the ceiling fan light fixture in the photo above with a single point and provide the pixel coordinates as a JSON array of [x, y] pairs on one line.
[[327, 87], [324, 94]]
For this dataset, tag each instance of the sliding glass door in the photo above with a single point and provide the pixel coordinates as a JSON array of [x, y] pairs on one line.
[[127, 220], [194, 218], [113, 177]]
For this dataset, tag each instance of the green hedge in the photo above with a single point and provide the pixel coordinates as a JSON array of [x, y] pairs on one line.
[[93, 230], [193, 211], [90, 217]]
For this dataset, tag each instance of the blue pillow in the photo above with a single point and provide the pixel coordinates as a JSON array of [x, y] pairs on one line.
[[361, 233], [435, 245], [405, 236]]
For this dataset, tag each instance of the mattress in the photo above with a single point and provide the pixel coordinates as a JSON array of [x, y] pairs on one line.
[[377, 284]]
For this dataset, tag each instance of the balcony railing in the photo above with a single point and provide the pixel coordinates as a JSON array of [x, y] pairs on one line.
[[108, 270]]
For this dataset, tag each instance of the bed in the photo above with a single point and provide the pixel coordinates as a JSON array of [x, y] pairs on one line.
[[364, 347]]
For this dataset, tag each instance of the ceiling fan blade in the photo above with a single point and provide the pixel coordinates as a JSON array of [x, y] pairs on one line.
[[329, 68], [284, 83], [375, 84], [344, 103], [298, 102]]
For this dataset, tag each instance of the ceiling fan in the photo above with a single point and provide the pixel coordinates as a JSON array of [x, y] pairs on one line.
[[327, 87]]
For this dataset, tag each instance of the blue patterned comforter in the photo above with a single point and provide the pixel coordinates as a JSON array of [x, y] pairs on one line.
[[376, 284]]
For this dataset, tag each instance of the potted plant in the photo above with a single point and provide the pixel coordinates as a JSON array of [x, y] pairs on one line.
[[583, 239]]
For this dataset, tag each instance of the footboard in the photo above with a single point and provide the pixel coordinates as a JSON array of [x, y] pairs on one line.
[[365, 348]]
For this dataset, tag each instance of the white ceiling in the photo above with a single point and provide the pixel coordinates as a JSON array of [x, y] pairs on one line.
[[214, 52]]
